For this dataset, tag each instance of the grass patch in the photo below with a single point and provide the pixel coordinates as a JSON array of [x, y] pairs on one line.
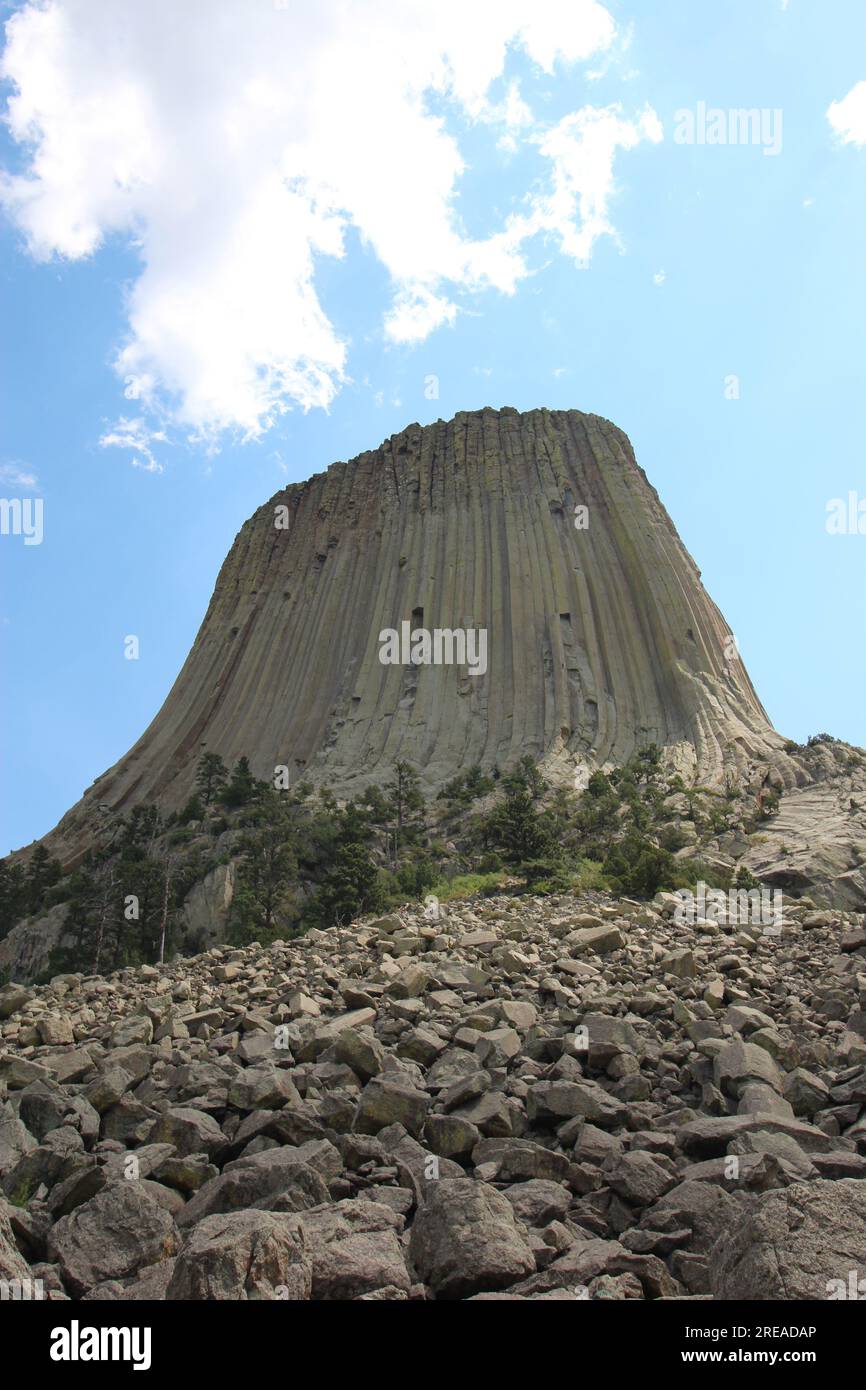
[[464, 885]]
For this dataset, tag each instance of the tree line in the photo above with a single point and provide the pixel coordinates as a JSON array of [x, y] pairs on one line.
[[303, 859]]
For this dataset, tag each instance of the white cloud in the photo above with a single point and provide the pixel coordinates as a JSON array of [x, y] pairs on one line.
[[660, 277], [848, 116], [13, 476], [137, 436], [581, 150], [416, 314], [235, 142]]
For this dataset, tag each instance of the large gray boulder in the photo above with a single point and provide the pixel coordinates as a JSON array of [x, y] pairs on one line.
[[466, 1239], [740, 1063], [800, 1242], [15, 1139], [242, 1255], [277, 1176], [354, 1248], [385, 1101], [115, 1234], [191, 1131], [12, 1263]]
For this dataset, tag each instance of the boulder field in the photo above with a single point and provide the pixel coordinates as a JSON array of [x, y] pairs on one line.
[[528, 1098]]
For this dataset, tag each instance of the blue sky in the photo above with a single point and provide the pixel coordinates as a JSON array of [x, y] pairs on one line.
[[154, 271]]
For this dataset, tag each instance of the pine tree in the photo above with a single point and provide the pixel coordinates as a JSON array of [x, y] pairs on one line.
[[193, 810], [406, 807], [166, 900], [268, 872], [13, 895], [352, 884], [42, 872], [104, 910], [638, 867], [375, 805], [241, 787], [525, 777], [211, 776], [517, 829], [81, 922]]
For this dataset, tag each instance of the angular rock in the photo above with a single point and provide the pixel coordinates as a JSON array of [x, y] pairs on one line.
[[384, 1102], [277, 1179], [465, 1240], [797, 1243], [242, 1255], [115, 1234]]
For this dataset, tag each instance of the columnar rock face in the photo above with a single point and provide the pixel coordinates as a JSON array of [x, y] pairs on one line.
[[600, 636]]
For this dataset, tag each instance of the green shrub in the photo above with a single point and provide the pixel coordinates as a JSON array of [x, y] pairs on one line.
[[638, 868], [465, 885], [672, 838]]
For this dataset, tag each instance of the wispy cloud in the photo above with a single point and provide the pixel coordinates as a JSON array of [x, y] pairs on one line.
[[138, 438], [17, 477]]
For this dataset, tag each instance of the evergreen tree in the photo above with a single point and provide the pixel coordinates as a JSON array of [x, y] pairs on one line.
[[638, 867], [376, 805], [350, 888], [517, 829], [139, 832], [165, 914], [101, 917], [14, 891], [210, 777], [745, 878], [476, 784], [352, 883], [467, 787], [525, 777], [81, 922], [406, 806], [241, 787], [268, 872], [193, 810], [135, 917], [42, 872]]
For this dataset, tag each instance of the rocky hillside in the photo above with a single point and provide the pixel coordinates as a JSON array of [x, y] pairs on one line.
[[522, 1098]]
